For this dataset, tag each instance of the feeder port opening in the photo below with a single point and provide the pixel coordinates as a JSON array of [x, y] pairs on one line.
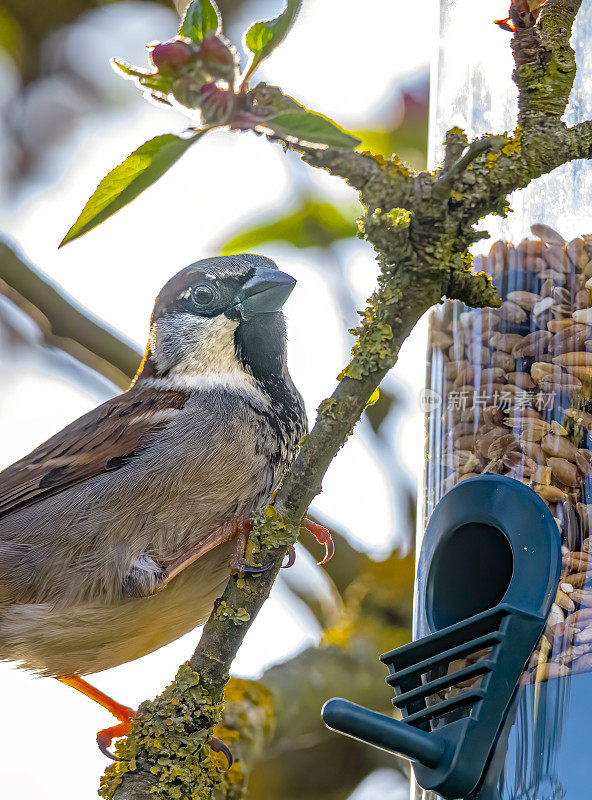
[[470, 573]]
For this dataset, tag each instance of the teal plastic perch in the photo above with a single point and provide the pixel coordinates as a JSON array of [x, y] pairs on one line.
[[381, 731]]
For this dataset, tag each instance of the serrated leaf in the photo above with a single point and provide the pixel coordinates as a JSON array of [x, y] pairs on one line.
[[311, 128], [201, 19], [313, 224], [129, 179], [263, 37]]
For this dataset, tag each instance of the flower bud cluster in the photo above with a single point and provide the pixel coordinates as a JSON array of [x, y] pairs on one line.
[[199, 77]]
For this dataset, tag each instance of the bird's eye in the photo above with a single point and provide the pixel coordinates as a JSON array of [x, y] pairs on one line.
[[203, 295]]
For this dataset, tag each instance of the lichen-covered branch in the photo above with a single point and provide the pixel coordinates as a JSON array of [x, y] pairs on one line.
[[579, 139], [422, 237], [454, 168], [545, 67], [66, 325]]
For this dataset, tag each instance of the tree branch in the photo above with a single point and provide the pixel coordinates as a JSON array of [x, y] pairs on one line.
[[67, 325], [545, 67], [446, 180], [579, 139], [422, 237], [388, 183]]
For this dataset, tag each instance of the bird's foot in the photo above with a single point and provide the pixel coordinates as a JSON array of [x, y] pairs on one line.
[[237, 529], [106, 736], [218, 746], [124, 714], [244, 527], [323, 536], [238, 561]]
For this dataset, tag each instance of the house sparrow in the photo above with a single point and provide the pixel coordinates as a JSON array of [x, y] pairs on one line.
[[119, 532]]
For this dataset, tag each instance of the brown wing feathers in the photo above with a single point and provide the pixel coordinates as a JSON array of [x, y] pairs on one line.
[[102, 440]]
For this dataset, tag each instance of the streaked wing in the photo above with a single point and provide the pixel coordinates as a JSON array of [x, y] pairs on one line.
[[100, 441]]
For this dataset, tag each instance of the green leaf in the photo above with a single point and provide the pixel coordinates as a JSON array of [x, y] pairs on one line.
[[128, 69], [313, 224], [312, 128], [201, 19], [149, 79], [157, 82], [263, 37], [129, 179]]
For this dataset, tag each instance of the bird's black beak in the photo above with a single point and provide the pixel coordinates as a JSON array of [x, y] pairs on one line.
[[265, 292]]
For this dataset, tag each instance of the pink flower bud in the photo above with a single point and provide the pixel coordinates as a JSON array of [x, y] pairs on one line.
[[171, 55], [216, 55], [216, 103]]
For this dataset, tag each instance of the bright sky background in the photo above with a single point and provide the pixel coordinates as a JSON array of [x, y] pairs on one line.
[[345, 64]]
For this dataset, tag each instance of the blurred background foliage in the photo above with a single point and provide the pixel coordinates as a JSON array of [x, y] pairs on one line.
[[357, 606]]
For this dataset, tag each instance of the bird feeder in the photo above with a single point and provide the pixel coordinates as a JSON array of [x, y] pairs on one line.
[[495, 693]]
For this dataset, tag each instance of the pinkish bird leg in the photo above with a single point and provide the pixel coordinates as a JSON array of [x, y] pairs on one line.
[[236, 528], [323, 536], [237, 559], [122, 713]]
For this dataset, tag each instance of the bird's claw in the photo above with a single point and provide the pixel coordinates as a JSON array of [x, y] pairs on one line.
[[124, 714], [291, 553], [320, 533], [238, 561], [240, 564], [106, 736], [323, 536], [104, 748], [218, 746]]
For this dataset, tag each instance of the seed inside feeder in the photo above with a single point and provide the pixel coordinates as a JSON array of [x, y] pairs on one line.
[[515, 385]]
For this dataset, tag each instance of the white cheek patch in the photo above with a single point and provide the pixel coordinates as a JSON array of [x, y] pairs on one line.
[[199, 353], [188, 346]]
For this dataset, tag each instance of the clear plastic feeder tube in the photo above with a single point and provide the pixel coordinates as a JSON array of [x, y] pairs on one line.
[[510, 392]]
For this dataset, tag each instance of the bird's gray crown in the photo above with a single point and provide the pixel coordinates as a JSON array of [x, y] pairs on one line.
[[239, 267]]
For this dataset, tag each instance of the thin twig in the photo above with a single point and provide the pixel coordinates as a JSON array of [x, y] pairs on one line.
[[446, 180]]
